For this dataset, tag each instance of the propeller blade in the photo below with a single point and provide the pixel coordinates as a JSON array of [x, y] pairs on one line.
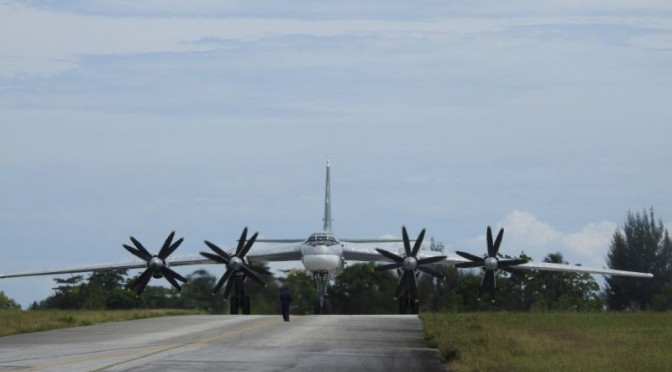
[[214, 257], [170, 273], [221, 281], [418, 243], [137, 253], [498, 241], [390, 255], [488, 280], [470, 256], [513, 262], [166, 245], [172, 281], [491, 246], [145, 275], [165, 253], [139, 246], [407, 242], [431, 272], [227, 290], [429, 260], [218, 250], [394, 265], [241, 241], [259, 270], [252, 275], [466, 265], [141, 282], [248, 245], [402, 284], [414, 284]]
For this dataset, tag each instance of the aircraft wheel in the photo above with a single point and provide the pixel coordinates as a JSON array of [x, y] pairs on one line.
[[246, 305], [403, 305], [233, 305], [317, 306], [326, 309], [415, 306]]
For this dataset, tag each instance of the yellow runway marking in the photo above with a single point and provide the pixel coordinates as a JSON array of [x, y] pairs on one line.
[[103, 356], [148, 350]]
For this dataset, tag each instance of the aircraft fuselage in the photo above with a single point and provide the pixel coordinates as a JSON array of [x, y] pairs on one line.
[[322, 252]]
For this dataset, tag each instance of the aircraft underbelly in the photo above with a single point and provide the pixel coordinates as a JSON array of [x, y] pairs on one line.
[[322, 258], [322, 262]]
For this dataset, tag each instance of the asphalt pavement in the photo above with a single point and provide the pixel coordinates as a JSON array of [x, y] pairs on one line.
[[353, 343]]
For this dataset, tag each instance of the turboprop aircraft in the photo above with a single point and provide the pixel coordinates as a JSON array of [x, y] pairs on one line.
[[324, 256]]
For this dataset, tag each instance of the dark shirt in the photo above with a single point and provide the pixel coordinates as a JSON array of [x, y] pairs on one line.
[[286, 297]]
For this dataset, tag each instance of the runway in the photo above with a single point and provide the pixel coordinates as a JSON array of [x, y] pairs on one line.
[[228, 343]]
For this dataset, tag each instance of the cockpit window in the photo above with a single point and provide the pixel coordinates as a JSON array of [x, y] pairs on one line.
[[322, 239]]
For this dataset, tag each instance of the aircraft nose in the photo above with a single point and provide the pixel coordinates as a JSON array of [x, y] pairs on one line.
[[320, 249]]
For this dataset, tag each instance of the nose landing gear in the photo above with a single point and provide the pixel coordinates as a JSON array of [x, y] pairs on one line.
[[322, 305]]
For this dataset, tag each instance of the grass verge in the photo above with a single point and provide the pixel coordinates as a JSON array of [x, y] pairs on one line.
[[551, 341], [17, 321]]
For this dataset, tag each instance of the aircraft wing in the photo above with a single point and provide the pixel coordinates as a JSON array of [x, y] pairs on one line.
[[370, 254], [287, 252], [547, 266], [136, 264], [361, 254]]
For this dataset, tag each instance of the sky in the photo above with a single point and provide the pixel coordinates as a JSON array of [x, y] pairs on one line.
[[550, 119]]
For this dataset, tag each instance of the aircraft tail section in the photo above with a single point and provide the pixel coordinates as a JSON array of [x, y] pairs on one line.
[[327, 202]]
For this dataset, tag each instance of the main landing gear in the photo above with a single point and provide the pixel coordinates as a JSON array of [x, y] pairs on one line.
[[239, 302], [408, 304], [322, 305]]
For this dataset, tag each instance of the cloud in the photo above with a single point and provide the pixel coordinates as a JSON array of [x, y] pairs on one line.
[[524, 230], [592, 242], [43, 42]]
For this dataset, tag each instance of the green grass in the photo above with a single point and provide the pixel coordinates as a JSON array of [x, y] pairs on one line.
[[17, 321], [551, 341]]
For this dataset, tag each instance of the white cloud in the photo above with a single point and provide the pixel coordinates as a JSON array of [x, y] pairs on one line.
[[524, 230], [592, 242]]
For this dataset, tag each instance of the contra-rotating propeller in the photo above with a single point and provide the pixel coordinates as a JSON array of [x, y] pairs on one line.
[[157, 266], [409, 263], [490, 263], [235, 263]]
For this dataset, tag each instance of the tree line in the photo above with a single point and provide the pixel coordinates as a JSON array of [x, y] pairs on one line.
[[643, 244]]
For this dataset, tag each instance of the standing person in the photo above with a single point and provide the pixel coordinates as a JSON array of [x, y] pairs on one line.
[[285, 301]]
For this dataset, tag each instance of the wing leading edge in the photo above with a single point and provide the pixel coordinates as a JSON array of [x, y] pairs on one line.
[[192, 260], [370, 254]]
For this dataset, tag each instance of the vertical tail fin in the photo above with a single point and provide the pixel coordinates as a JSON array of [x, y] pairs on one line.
[[327, 202]]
